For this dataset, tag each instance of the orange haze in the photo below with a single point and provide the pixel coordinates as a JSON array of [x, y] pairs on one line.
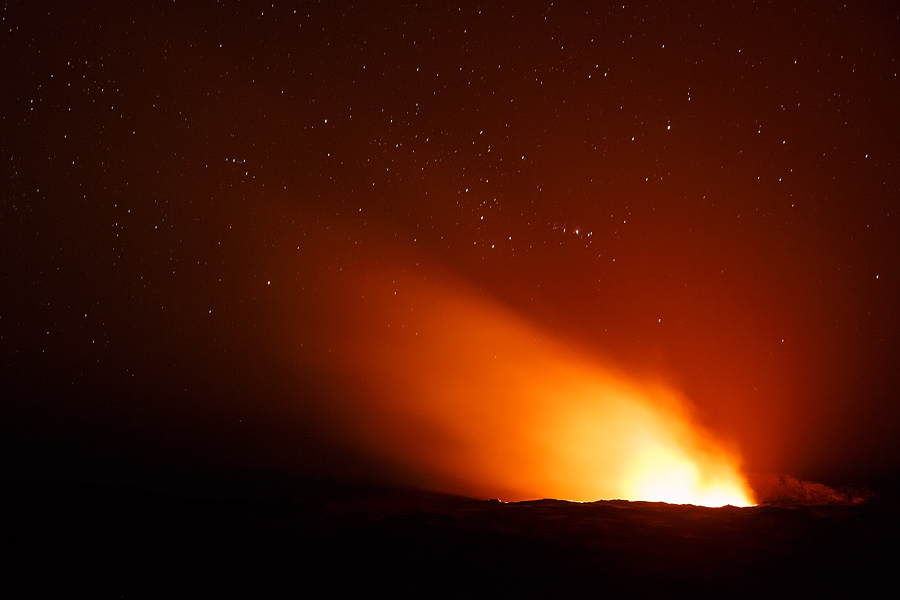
[[455, 386]]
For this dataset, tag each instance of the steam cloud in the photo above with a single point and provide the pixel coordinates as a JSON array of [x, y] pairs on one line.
[[475, 399]]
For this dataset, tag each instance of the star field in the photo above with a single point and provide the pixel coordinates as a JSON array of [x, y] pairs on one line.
[[703, 191]]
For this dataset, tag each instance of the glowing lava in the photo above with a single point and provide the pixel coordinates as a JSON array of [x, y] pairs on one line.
[[473, 399]]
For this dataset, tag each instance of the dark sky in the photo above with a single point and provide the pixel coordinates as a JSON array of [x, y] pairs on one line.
[[196, 196]]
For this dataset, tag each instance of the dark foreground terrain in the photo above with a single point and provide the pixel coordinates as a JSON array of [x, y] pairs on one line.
[[101, 542]]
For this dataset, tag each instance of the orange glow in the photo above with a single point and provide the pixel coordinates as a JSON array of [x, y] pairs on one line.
[[478, 401]]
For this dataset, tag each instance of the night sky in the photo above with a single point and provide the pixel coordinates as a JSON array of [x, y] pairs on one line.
[[203, 202]]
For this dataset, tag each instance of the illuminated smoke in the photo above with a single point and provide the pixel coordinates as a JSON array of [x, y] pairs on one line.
[[479, 401], [789, 490]]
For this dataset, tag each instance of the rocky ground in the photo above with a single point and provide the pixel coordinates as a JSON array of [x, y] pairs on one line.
[[111, 542]]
